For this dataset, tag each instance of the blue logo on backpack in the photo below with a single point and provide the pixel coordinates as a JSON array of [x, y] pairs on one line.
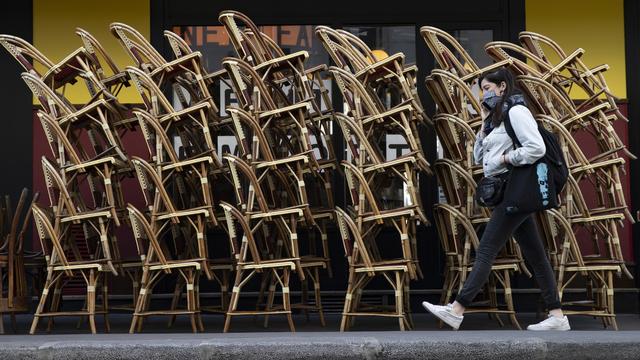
[[543, 182]]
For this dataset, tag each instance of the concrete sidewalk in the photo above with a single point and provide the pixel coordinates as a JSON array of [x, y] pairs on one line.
[[250, 341], [330, 345]]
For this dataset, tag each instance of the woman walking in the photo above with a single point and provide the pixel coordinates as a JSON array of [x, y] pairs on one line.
[[494, 149]]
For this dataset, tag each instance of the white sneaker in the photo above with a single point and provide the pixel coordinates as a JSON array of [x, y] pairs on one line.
[[444, 313], [551, 323]]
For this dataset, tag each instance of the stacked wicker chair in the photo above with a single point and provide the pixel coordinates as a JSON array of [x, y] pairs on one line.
[[83, 177], [277, 122], [176, 181], [16, 263], [551, 78], [381, 101]]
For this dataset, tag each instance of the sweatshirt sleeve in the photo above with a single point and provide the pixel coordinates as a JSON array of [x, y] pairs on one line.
[[526, 130]]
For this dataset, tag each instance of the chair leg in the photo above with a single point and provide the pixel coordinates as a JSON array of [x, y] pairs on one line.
[[509, 300], [197, 302], [286, 299], [399, 300], [266, 278], [41, 303], [145, 307], [140, 301], [175, 300], [355, 305], [191, 302], [347, 302], [135, 287], [91, 300], [602, 301], [444, 296], [137, 310], [233, 303], [270, 297], [316, 289], [610, 300], [305, 296], [589, 288], [55, 303], [407, 302], [493, 299], [105, 303]]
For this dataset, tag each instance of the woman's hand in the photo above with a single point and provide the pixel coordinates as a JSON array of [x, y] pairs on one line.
[[483, 112]]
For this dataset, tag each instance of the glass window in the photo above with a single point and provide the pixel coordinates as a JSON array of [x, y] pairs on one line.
[[473, 42], [391, 39]]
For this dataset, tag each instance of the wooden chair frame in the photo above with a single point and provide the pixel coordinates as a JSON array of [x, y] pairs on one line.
[[249, 260], [363, 267], [572, 263], [452, 57], [157, 264], [60, 267]]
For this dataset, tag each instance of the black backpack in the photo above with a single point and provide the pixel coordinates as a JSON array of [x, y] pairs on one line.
[[549, 173]]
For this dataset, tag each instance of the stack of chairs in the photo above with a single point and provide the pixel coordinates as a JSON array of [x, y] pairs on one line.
[[282, 172], [551, 78], [380, 102], [176, 180], [83, 178], [16, 262], [458, 119], [292, 84]]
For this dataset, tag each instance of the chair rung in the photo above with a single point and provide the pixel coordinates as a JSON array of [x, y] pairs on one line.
[[246, 313], [166, 312]]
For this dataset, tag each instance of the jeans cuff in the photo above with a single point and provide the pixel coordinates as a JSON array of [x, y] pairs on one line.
[[463, 302], [554, 306]]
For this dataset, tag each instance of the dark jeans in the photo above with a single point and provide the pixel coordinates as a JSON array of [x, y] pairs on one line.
[[500, 228]]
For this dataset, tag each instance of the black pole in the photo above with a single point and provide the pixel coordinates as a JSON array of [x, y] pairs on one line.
[[632, 47]]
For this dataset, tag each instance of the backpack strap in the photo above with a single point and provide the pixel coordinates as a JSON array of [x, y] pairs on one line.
[[510, 131], [507, 120]]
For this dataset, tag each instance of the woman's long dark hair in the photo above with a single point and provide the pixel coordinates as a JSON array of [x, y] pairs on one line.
[[497, 77]]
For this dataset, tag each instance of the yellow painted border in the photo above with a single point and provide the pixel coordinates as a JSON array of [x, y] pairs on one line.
[[597, 26], [54, 24]]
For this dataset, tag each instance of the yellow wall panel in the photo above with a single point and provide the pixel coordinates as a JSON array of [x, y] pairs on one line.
[[54, 24], [597, 26]]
